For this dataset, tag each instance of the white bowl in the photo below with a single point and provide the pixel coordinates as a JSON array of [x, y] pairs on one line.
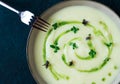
[[33, 34]]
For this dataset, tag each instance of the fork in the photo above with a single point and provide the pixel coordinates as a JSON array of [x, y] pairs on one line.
[[29, 18]]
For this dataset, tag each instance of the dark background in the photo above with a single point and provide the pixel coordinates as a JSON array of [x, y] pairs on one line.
[[13, 38]]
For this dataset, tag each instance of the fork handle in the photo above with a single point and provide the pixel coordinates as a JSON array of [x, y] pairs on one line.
[[9, 7]]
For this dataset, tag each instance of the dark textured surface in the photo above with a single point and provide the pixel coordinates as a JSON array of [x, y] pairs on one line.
[[13, 38]]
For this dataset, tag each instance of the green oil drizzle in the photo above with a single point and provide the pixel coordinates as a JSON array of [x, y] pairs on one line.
[[64, 60], [109, 74], [62, 34], [115, 67], [93, 83], [57, 75], [103, 79], [62, 23], [108, 42], [91, 47], [44, 48]]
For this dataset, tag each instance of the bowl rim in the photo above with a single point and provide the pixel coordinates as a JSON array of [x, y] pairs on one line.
[[56, 8]]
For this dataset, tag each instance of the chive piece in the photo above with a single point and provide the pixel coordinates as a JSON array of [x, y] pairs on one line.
[[84, 22], [103, 79], [55, 26], [109, 74], [108, 44], [55, 47], [89, 37], [74, 45], [92, 53], [70, 63], [47, 64], [93, 83], [115, 67], [74, 29]]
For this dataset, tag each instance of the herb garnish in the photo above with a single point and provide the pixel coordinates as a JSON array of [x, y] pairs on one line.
[[55, 47], [84, 22], [92, 53], [89, 37], [74, 46], [55, 25], [109, 44], [47, 64], [70, 63], [74, 29]]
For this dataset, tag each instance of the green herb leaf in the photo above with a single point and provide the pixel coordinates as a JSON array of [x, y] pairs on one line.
[[92, 53], [109, 44], [74, 45], [52, 46], [55, 47], [74, 29], [55, 26]]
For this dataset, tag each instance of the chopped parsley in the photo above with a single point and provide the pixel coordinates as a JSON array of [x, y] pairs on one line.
[[74, 45], [55, 26], [84, 22], [58, 24], [47, 64], [74, 29], [92, 53], [55, 47]]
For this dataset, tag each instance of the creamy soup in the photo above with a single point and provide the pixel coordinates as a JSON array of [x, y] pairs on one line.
[[81, 47]]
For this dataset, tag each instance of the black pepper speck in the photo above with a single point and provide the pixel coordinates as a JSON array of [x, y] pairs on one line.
[[84, 22]]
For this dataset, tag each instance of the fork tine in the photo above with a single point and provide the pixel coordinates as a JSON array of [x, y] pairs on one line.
[[41, 25], [43, 20], [38, 27]]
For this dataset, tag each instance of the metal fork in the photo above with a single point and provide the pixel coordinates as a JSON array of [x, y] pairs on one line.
[[29, 18]]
